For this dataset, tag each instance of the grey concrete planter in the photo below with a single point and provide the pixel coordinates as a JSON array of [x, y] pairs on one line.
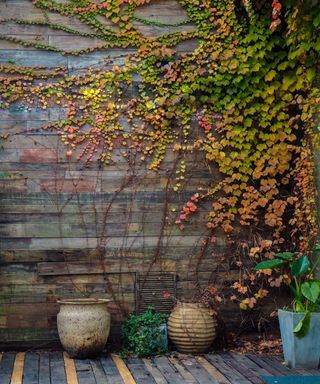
[[83, 326], [305, 352], [163, 338]]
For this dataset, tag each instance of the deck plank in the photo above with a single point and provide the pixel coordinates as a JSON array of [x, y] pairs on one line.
[[244, 360], [58, 374], [139, 371], [301, 371], [217, 375], [17, 373], [70, 368], [44, 368], [182, 370], [98, 372], [253, 377], [111, 371], [289, 371], [283, 368], [6, 367], [271, 368], [230, 373], [123, 370], [84, 371], [154, 371], [222, 368], [199, 373], [167, 369], [31, 368]]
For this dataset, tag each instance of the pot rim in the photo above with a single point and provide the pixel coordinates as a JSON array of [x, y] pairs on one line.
[[294, 312], [84, 301], [196, 304]]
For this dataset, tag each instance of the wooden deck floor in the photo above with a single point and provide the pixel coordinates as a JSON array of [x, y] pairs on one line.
[[58, 368]]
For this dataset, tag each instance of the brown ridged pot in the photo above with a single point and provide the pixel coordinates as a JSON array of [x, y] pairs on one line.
[[191, 328], [83, 326]]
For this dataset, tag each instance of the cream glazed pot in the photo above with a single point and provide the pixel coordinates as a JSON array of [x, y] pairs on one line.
[[83, 326], [191, 328]]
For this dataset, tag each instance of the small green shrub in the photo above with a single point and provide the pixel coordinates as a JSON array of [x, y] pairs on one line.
[[142, 334]]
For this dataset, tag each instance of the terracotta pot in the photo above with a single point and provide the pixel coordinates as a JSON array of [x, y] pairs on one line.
[[191, 328], [83, 326]]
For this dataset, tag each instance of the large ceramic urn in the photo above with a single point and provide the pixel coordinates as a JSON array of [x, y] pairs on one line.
[[191, 327], [83, 326]]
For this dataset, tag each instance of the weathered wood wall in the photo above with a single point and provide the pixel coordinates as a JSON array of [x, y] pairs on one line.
[[67, 229]]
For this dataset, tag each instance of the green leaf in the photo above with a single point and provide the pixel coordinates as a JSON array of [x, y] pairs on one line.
[[311, 74], [302, 327], [247, 122], [283, 65], [256, 67], [311, 290], [270, 75], [185, 88], [269, 264], [285, 255], [233, 64], [297, 305], [300, 266], [316, 20], [287, 82]]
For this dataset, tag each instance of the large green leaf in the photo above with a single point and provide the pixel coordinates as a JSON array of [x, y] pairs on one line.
[[269, 264], [316, 247], [300, 266], [302, 327], [298, 306], [285, 255], [311, 290]]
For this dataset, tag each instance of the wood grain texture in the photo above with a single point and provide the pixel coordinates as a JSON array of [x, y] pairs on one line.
[[139, 372], [187, 376], [44, 368], [201, 374], [31, 368], [213, 371], [70, 368], [6, 367], [177, 369], [17, 373], [98, 372], [155, 372], [233, 375], [123, 370], [242, 368], [54, 213], [111, 371], [84, 371], [169, 370], [57, 369]]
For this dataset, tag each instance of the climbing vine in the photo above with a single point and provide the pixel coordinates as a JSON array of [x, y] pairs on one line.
[[246, 97]]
